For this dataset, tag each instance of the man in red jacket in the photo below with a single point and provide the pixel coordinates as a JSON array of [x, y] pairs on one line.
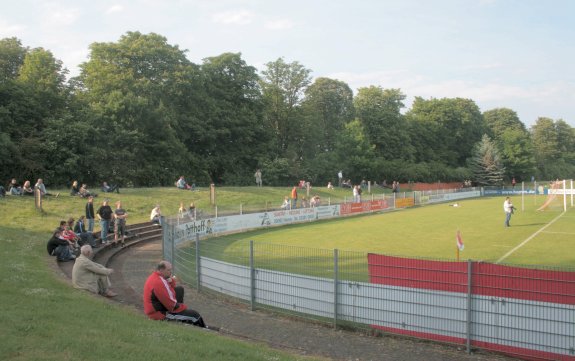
[[163, 300]]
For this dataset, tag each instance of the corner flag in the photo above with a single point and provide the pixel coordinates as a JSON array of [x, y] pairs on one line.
[[460, 245]]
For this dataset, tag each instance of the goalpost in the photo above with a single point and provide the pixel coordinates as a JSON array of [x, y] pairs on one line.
[[557, 189]]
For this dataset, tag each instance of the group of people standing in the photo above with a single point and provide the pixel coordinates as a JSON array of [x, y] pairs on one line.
[[67, 238], [107, 217]]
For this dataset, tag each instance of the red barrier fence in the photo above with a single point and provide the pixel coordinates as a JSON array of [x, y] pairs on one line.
[[520, 299], [488, 279]]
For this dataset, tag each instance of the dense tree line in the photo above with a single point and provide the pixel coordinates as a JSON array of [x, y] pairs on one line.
[[140, 113]]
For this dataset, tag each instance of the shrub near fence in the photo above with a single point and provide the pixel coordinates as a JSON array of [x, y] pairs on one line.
[[506, 309]]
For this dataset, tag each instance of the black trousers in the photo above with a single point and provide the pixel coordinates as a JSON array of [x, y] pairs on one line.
[[186, 316]]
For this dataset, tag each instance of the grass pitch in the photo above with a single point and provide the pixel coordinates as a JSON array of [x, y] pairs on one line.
[[543, 238]]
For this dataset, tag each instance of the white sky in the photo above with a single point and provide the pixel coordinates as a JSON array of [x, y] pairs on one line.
[[517, 54]]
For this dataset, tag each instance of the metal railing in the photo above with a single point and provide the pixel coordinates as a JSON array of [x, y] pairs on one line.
[[464, 303], [517, 310]]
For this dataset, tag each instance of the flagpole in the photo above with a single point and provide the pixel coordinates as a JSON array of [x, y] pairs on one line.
[[457, 253]]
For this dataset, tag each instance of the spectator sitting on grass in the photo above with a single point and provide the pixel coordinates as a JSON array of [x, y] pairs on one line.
[[91, 276], [286, 203], [27, 189], [42, 188], [14, 188], [106, 188], [315, 201], [85, 193], [182, 184], [75, 190]]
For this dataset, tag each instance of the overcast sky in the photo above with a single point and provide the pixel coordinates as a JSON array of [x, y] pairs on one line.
[[518, 54]]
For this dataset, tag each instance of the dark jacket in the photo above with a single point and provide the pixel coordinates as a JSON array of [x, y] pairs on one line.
[[54, 242], [90, 211]]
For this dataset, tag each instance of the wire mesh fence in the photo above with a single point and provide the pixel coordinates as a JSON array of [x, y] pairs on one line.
[[513, 309], [517, 310]]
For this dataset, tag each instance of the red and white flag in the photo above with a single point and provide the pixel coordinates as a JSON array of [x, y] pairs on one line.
[[460, 245]]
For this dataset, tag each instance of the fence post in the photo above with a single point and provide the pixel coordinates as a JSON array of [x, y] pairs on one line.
[[468, 321], [198, 266], [335, 286], [241, 209], [166, 228], [172, 251], [252, 278]]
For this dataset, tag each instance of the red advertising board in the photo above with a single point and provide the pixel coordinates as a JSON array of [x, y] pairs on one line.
[[363, 207]]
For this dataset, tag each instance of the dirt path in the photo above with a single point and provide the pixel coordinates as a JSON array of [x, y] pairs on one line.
[[236, 320]]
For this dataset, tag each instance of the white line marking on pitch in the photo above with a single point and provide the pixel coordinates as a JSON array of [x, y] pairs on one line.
[[528, 239], [569, 233]]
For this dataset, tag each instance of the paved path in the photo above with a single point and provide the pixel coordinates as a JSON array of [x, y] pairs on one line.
[[305, 338]]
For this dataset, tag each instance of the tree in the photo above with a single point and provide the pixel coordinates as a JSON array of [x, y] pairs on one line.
[[545, 141], [451, 128], [283, 85], [379, 111], [12, 55], [133, 88], [500, 120], [233, 135], [486, 163], [516, 152], [328, 107], [554, 145], [566, 140], [46, 77], [32, 93], [513, 141], [355, 153]]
